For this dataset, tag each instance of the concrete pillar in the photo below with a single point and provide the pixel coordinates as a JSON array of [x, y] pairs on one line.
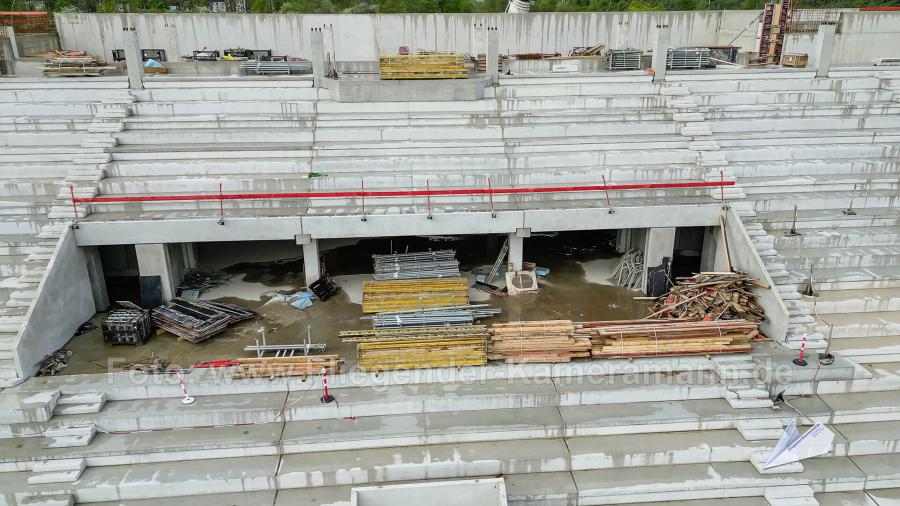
[[8, 65], [11, 35], [317, 56], [160, 270], [822, 48], [514, 258], [132, 46], [493, 52], [713, 255], [660, 53], [312, 268], [659, 249], [189, 254], [98, 279]]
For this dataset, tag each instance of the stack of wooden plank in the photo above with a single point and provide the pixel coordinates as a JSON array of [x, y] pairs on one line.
[[537, 341], [73, 63], [649, 338], [412, 348], [287, 366], [423, 66], [404, 295], [715, 295]]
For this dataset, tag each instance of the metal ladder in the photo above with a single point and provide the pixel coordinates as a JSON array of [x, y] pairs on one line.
[[503, 250]]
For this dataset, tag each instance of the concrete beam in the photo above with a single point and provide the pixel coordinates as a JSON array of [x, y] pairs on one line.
[[189, 255], [493, 52], [133, 58], [660, 53], [659, 250], [252, 228], [312, 270], [822, 49], [98, 280], [317, 56]]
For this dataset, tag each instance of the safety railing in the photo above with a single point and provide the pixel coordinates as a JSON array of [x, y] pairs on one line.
[[488, 192]]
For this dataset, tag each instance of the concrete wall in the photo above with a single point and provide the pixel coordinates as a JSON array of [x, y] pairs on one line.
[[36, 43], [362, 37], [744, 258], [63, 302], [861, 37]]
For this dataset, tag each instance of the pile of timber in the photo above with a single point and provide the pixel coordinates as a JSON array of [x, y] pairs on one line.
[[423, 66], [275, 367], [715, 295], [73, 63], [405, 295], [197, 321], [537, 341], [595, 50], [650, 338], [414, 348]]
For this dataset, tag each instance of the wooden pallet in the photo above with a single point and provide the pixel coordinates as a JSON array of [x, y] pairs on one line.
[[423, 66]]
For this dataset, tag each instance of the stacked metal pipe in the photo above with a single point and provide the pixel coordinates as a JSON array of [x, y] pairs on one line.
[[437, 317], [421, 265], [276, 67]]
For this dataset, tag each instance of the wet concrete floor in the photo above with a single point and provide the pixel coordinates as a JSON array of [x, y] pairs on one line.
[[577, 289]]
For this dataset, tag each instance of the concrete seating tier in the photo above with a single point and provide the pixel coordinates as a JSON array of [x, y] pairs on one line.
[[563, 440]]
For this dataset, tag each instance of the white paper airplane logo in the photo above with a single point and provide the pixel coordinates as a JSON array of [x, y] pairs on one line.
[[792, 447]]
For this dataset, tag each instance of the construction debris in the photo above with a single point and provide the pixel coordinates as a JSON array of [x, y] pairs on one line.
[[595, 50], [404, 295], [382, 350], [423, 66], [712, 295], [537, 341], [54, 362], [648, 338], [151, 365], [73, 63], [277, 367], [435, 317], [203, 281], [324, 288], [421, 265], [629, 270], [196, 321]]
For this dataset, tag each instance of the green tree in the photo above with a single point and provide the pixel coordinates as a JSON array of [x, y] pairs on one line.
[[308, 7]]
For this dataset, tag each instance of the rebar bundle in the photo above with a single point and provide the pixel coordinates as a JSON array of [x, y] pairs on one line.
[[688, 58], [276, 67], [437, 317], [420, 265], [127, 326], [624, 59]]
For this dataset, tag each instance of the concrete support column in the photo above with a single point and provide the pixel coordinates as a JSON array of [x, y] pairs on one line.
[[11, 35], [159, 265], [514, 258], [189, 254], [661, 53], [317, 56], [491, 56], [97, 278], [312, 268], [659, 249], [822, 49], [133, 58]]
